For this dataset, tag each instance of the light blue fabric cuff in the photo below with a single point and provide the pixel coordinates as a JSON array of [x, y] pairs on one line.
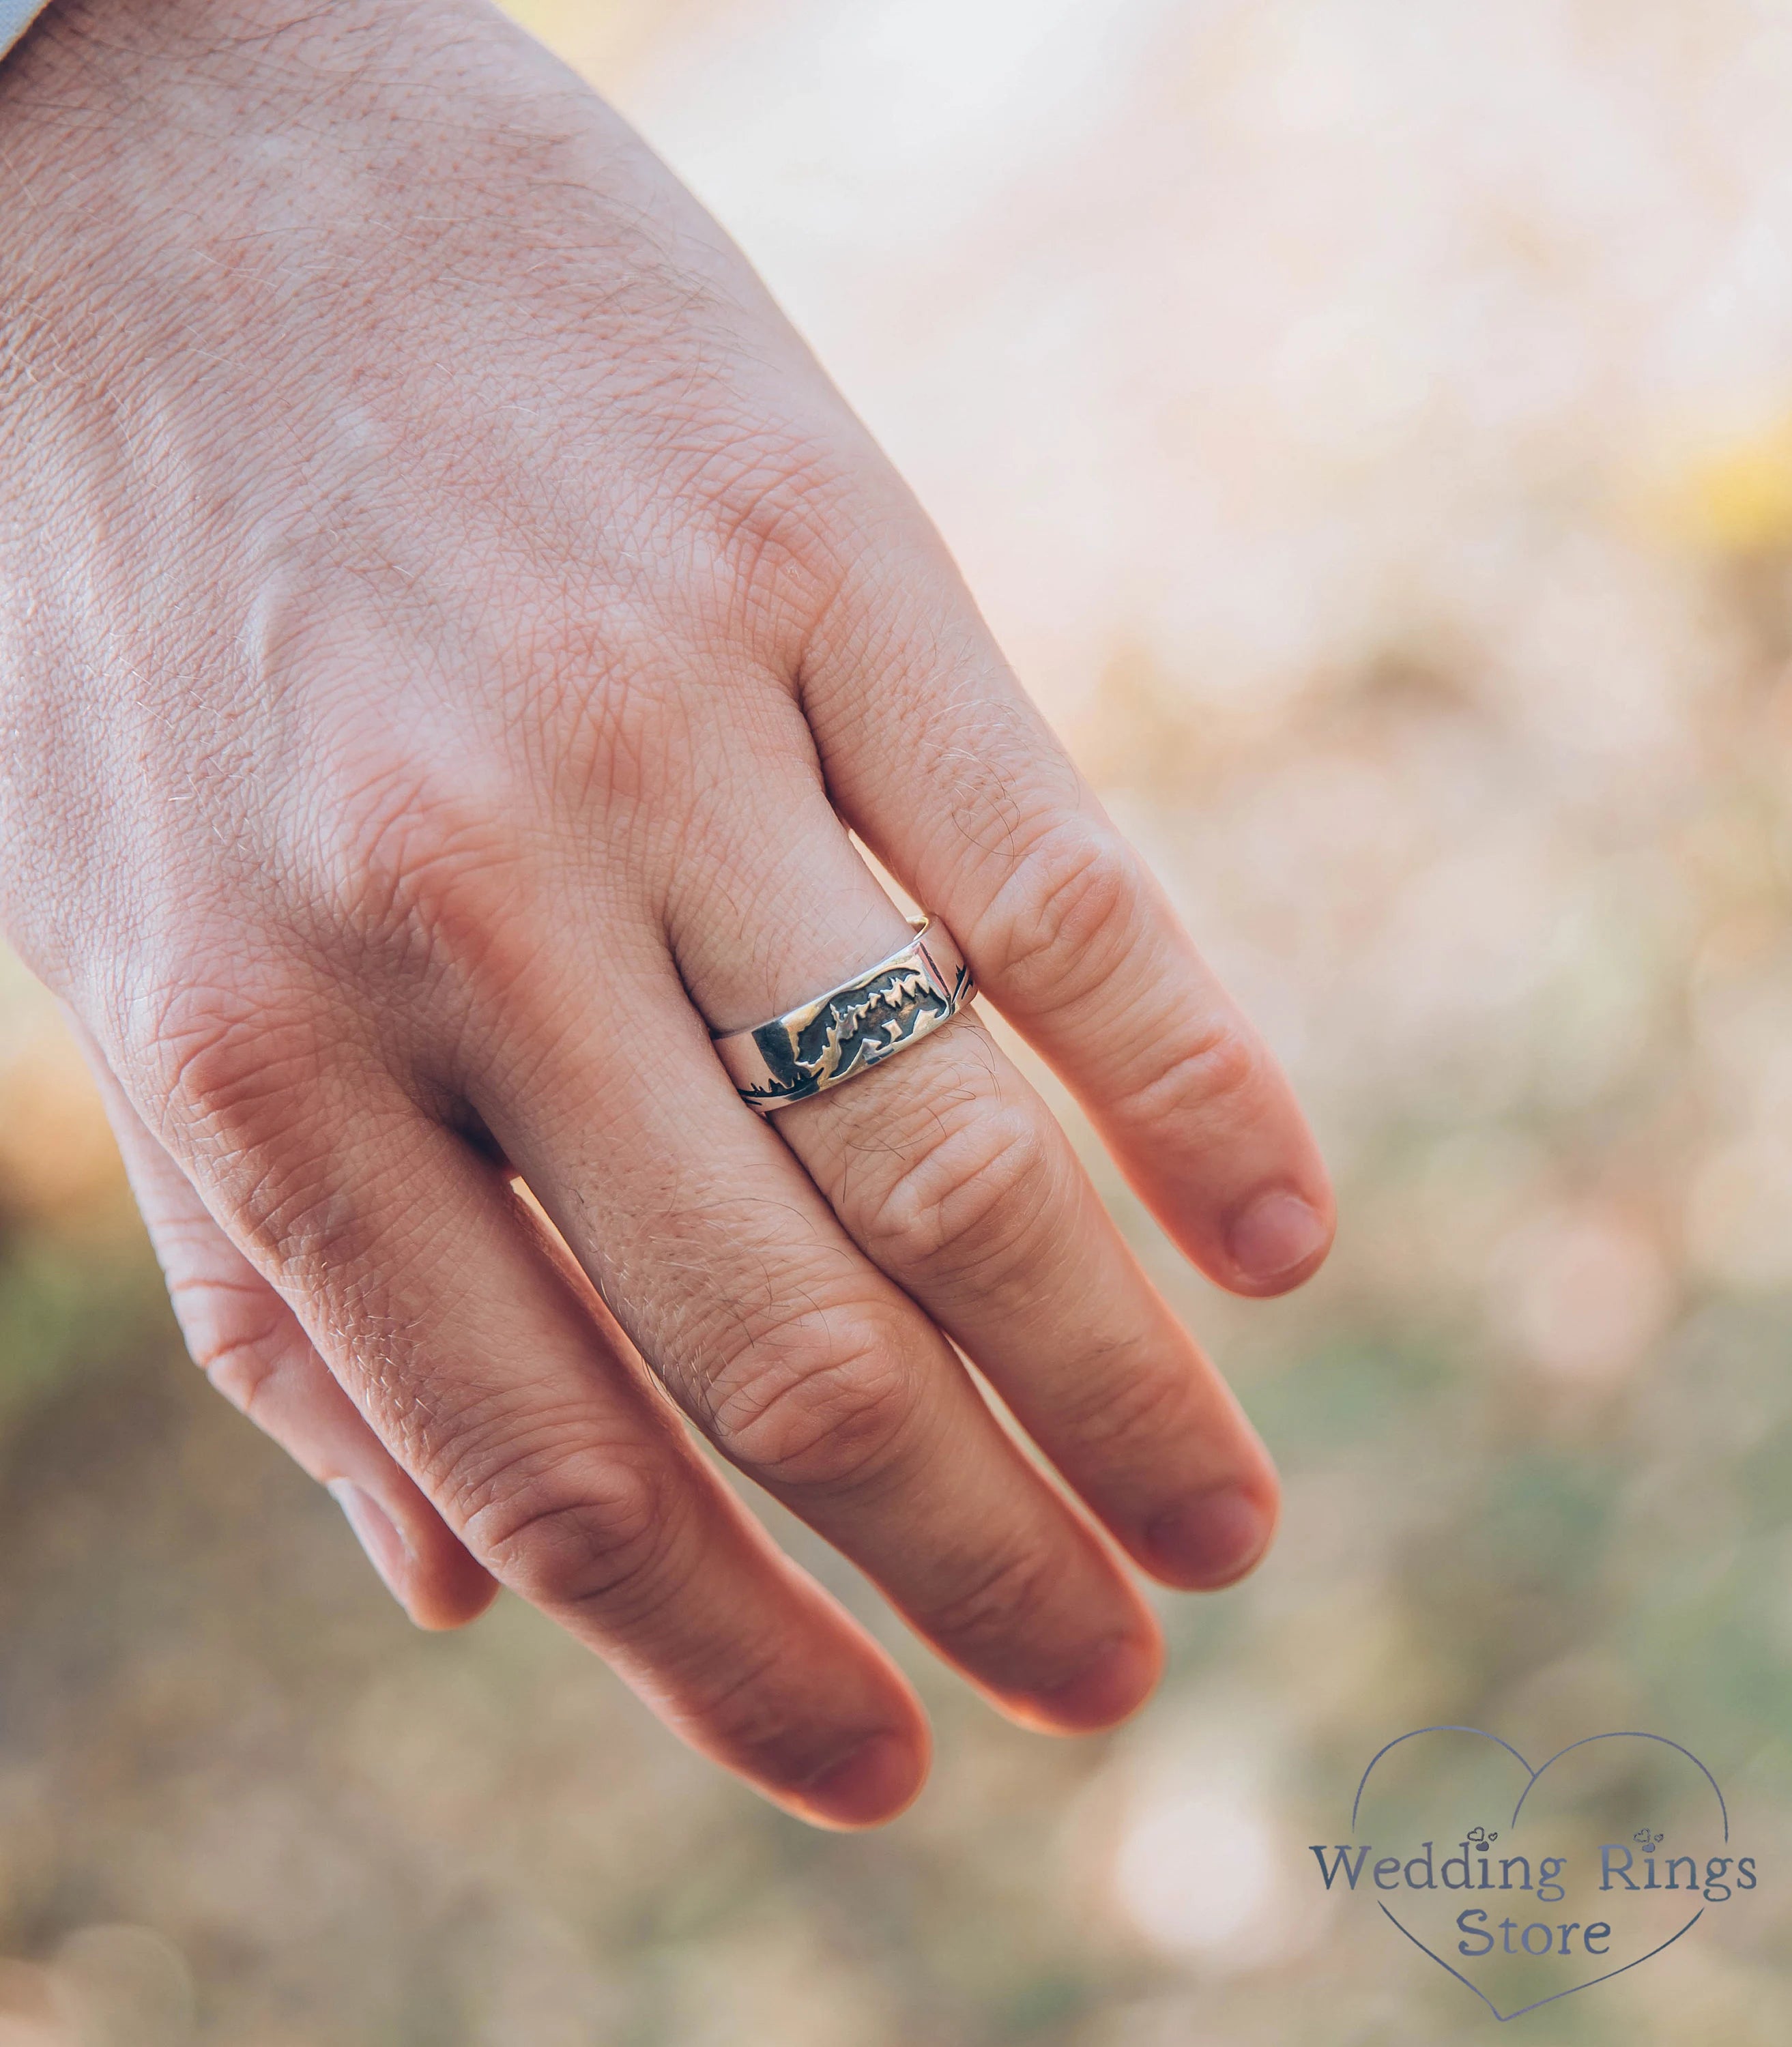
[[16, 16]]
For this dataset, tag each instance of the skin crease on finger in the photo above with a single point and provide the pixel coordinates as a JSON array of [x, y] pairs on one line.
[[418, 531]]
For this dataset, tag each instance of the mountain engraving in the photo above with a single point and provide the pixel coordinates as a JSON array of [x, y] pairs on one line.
[[852, 1031]]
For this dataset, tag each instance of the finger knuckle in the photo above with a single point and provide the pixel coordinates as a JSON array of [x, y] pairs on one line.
[[968, 1196], [1212, 1079], [426, 863], [777, 508], [244, 1083], [819, 1402], [578, 1529], [239, 1370], [1064, 917], [1132, 1400], [236, 1332], [230, 1057], [1008, 1597], [739, 1692]]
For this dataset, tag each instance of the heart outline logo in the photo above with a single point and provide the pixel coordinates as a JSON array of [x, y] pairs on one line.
[[1532, 1776]]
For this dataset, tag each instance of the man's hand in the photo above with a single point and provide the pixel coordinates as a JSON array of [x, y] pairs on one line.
[[448, 626]]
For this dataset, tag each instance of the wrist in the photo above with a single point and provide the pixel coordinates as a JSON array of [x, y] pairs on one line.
[[165, 166]]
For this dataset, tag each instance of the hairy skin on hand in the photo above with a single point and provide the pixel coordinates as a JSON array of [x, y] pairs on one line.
[[448, 626]]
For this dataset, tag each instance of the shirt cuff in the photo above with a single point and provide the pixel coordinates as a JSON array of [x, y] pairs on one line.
[[16, 16]]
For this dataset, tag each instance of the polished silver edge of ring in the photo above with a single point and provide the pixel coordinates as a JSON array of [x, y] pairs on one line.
[[823, 1044]]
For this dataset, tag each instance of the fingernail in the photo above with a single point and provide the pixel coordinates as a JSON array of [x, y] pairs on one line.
[[1277, 1234], [1210, 1540], [872, 1782], [376, 1534], [1115, 1682]]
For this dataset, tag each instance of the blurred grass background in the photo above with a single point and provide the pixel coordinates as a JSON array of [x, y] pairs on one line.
[[1369, 428]]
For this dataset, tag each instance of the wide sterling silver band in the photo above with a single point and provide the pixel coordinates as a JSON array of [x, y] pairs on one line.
[[853, 1028]]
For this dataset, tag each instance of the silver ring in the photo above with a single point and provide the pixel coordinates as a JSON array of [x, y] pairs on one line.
[[852, 1028]]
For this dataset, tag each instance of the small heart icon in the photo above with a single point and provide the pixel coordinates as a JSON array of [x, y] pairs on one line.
[[1529, 1883]]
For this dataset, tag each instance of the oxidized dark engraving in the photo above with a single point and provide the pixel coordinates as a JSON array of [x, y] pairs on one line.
[[847, 1033]]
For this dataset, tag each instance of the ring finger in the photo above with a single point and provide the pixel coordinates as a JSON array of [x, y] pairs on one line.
[[952, 1175]]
